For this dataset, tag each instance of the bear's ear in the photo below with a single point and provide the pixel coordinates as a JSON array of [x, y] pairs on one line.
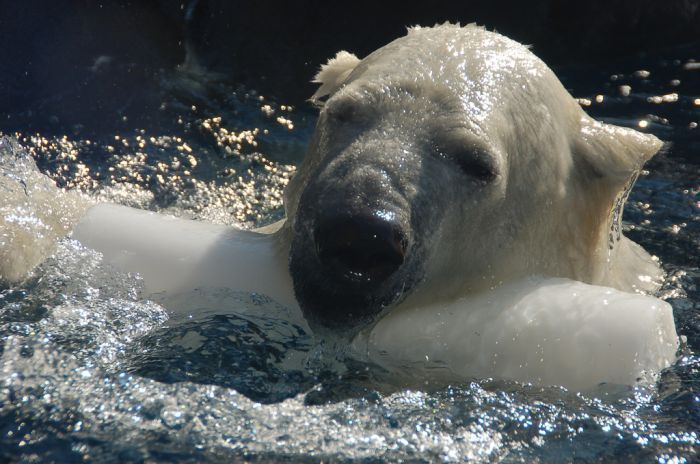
[[612, 152], [333, 74]]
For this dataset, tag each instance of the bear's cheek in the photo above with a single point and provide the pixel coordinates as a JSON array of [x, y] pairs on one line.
[[469, 236]]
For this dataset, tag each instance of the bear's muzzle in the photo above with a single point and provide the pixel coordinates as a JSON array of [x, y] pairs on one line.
[[347, 267], [364, 251]]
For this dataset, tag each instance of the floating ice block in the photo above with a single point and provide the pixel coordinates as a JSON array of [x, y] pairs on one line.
[[548, 331]]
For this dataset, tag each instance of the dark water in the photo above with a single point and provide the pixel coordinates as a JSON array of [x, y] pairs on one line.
[[90, 371]]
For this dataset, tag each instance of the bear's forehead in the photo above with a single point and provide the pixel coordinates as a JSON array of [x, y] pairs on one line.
[[466, 67], [452, 54]]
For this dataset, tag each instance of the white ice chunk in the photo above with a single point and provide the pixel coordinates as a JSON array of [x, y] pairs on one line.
[[176, 256], [544, 331]]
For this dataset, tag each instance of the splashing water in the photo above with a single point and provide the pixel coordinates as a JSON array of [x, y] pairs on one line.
[[33, 213]]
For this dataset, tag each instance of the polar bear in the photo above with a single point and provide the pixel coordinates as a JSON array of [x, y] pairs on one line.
[[456, 207], [447, 162]]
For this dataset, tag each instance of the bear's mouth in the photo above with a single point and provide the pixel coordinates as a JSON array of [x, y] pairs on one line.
[[349, 270]]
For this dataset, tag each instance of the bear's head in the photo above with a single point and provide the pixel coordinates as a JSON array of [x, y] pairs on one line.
[[448, 161]]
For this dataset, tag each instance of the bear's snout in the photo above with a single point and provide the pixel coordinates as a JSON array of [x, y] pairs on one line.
[[360, 249], [349, 264]]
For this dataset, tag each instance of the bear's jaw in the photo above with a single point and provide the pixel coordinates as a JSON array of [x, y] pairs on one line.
[[328, 305]]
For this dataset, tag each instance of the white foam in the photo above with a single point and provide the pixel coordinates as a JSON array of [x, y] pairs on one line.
[[34, 213]]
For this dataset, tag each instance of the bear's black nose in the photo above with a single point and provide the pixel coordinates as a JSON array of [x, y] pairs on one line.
[[360, 250]]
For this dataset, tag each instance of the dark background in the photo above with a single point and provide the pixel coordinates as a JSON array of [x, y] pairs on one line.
[[83, 61]]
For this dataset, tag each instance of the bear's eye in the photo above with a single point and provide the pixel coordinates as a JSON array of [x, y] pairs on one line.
[[343, 112], [474, 163], [476, 168]]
